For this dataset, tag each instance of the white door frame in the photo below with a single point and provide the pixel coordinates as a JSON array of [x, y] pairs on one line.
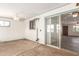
[[60, 34]]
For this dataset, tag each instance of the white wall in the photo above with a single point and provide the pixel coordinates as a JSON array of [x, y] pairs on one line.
[[15, 31], [31, 34], [20, 29]]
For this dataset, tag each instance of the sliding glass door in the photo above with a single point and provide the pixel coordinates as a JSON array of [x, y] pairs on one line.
[[53, 31]]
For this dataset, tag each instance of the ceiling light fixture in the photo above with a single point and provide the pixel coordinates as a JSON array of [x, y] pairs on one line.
[[75, 14]]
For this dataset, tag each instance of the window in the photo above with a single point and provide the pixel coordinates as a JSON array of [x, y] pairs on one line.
[[4, 23], [76, 28], [32, 24]]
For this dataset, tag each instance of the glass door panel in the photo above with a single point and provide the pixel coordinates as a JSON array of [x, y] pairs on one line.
[[52, 29], [55, 31], [48, 31]]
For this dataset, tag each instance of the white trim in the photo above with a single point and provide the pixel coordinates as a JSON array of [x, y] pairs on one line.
[[60, 31], [53, 46]]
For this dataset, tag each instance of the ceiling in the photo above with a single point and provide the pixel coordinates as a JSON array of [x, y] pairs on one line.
[[27, 10]]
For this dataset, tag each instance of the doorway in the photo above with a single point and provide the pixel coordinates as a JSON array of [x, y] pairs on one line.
[[62, 31], [53, 31], [65, 30]]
